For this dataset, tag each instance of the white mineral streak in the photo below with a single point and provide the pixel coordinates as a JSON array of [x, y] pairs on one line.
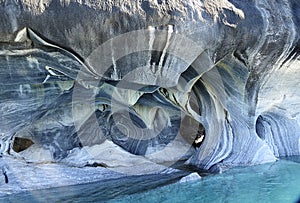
[[162, 58], [46, 79], [114, 75], [151, 41]]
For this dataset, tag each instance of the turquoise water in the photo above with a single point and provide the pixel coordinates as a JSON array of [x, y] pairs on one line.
[[274, 182]]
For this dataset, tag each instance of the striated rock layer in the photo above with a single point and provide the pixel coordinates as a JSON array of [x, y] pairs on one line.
[[209, 83]]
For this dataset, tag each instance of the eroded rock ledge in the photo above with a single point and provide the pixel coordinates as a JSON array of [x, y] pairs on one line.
[[212, 84]]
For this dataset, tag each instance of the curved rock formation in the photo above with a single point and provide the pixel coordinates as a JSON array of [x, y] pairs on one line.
[[151, 76]]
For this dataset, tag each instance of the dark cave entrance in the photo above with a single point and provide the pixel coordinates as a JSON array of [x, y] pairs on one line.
[[21, 144], [192, 131]]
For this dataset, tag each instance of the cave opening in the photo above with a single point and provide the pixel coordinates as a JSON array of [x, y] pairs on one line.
[[260, 128], [20, 144], [192, 131], [199, 137]]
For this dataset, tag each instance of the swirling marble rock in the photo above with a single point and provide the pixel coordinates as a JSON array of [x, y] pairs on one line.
[[153, 77]]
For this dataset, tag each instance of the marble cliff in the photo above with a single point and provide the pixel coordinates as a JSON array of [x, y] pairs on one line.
[[118, 83]]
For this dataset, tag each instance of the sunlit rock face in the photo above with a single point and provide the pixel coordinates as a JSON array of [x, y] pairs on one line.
[[210, 83]]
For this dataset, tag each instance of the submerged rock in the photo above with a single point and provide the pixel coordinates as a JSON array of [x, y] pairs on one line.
[[152, 78], [189, 178]]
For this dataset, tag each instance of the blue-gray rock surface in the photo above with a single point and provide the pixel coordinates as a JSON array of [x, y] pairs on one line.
[[210, 83]]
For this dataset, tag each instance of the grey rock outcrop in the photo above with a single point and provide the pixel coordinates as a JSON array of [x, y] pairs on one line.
[[152, 76]]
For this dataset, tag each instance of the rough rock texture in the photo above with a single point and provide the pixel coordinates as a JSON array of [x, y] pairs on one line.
[[152, 76]]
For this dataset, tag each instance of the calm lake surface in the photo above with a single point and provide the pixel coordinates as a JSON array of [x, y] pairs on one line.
[[273, 182]]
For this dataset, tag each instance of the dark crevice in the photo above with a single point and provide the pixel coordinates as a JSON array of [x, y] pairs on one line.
[[21, 144], [181, 165], [260, 127], [295, 53], [156, 57], [95, 164], [240, 58], [5, 175], [164, 92], [199, 138]]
